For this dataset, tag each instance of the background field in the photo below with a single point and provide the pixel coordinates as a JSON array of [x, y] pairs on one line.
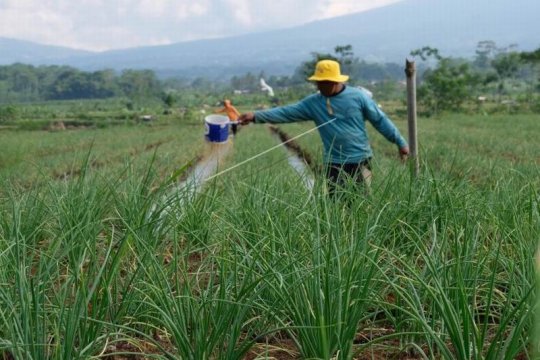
[[103, 256]]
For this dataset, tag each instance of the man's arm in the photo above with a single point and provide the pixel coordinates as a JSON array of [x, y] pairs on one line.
[[385, 126], [278, 115]]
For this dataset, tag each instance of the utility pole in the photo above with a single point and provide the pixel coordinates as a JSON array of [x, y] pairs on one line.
[[410, 71]]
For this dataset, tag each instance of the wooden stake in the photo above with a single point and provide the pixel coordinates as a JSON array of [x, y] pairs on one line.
[[410, 71]]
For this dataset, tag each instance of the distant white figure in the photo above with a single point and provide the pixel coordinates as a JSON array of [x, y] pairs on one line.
[[368, 93], [266, 87]]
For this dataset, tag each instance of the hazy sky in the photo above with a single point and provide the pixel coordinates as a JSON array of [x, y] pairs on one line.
[[111, 24]]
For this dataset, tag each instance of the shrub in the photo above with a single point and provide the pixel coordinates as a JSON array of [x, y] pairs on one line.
[[535, 106], [8, 113]]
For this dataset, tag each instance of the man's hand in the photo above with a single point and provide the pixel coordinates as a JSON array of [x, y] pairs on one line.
[[404, 153], [246, 118]]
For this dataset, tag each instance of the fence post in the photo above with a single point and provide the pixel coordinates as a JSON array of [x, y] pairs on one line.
[[410, 71]]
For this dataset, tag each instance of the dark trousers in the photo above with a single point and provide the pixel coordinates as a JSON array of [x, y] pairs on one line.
[[337, 175]]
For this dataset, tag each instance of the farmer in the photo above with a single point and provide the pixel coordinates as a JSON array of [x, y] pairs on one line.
[[232, 113], [340, 112]]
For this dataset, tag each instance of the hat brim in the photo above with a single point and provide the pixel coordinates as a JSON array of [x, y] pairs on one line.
[[339, 78]]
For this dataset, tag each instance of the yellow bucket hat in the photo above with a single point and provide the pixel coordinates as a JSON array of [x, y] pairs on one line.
[[328, 70]]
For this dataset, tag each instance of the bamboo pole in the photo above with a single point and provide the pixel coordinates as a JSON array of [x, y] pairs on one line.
[[410, 71]]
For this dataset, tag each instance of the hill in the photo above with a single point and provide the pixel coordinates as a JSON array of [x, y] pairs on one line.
[[12, 51], [385, 34]]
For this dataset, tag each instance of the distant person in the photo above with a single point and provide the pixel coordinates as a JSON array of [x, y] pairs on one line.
[[232, 114], [340, 112]]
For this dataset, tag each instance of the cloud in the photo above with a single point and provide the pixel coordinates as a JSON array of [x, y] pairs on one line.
[[241, 11], [260, 15], [190, 9], [102, 24], [46, 26], [344, 7], [153, 8]]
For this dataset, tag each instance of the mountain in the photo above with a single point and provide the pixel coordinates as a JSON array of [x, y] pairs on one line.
[[12, 51], [385, 34]]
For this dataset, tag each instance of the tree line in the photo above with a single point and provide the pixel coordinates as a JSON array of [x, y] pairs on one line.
[[23, 83], [445, 83], [27, 83], [501, 73]]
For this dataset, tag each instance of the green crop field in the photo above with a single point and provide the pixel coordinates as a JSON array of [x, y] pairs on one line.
[[103, 255]]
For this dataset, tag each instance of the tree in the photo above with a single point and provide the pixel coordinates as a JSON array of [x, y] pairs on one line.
[[21, 82], [485, 51], [447, 86], [169, 100], [201, 83], [139, 84], [306, 69], [104, 84], [70, 84], [247, 82], [345, 57], [506, 66], [532, 59], [426, 53]]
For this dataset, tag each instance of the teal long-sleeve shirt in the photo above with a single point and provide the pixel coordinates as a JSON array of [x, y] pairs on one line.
[[345, 139]]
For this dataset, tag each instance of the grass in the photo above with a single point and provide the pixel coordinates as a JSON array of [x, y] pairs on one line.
[[53, 154], [439, 267], [478, 149]]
